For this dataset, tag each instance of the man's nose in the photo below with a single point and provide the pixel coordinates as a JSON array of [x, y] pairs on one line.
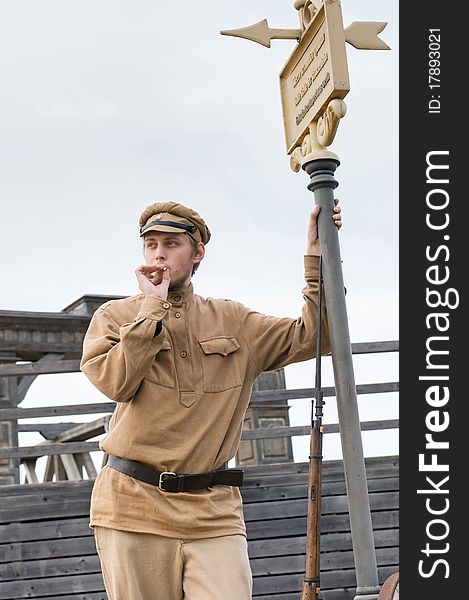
[[160, 253]]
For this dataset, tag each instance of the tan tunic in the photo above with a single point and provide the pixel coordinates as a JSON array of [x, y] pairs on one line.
[[181, 396]]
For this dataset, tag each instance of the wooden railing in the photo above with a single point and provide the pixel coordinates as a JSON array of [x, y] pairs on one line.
[[67, 447]]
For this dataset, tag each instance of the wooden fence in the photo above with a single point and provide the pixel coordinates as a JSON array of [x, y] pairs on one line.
[[47, 549], [68, 451]]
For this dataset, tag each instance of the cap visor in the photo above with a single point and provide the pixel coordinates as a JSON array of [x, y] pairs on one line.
[[165, 228]]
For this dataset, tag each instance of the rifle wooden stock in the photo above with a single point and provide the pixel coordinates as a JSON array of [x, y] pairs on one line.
[[311, 585]]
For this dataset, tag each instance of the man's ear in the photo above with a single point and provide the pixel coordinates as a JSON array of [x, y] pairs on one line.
[[199, 255]]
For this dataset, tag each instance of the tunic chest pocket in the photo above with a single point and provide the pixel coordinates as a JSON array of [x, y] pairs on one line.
[[221, 363], [162, 370]]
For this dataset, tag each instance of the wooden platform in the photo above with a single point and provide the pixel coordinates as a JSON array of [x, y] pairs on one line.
[[47, 549]]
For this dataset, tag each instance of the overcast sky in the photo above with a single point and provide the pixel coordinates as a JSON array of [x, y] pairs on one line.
[[110, 105]]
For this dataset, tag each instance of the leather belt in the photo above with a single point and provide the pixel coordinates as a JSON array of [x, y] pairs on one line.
[[176, 482]]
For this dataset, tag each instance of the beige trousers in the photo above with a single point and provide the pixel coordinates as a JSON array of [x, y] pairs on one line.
[[144, 566]]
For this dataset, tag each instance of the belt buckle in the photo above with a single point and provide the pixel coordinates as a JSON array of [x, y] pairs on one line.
[[164, 475]]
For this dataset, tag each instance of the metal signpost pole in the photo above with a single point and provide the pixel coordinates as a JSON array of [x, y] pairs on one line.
[[313, 83], [323, 184]]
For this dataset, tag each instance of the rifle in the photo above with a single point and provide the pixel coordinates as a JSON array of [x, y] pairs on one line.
[[311, 583]]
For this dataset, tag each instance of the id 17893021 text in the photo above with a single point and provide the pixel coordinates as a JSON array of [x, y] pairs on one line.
[[434, 71]]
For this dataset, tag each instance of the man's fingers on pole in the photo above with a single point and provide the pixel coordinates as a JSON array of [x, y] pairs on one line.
[[337, 216], [313, 216]]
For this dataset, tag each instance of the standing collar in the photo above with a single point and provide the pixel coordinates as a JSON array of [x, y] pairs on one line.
[[179, 297]]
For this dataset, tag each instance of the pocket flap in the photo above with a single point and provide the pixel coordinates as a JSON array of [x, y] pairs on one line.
[[219, 345]]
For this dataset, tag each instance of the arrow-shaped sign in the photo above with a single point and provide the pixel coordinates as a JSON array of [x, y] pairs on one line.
[[364, 35], [360, 34], [261, 33]]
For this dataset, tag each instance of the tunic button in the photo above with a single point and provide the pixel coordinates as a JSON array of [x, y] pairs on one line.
[[166, 305], [177, 298], [183, 354], [177, 315]]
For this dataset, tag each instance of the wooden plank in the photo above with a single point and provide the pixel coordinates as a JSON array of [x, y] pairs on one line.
[[39, 368], [29, 501], [371, 463], [57, 487], [30, 471], [34, 588], [83, 431], [329, 505], [45, 530], [58, 468], [49, 469], [33, 550], [295, 479], [300, 393], [278, 432], [296, 595], [329, 542], [332, 471], [11, 414], [59, 509], [44, 321], [332, 594], [71, 467], [86, 596], [57, 567], [375, 347], [299, 489], [47, 430], [330, 561], [258, 530], [329, 580], [338, 594], [85, 462], [48, 449]]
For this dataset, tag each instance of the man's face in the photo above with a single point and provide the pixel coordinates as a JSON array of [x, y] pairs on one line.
[[174, 251]]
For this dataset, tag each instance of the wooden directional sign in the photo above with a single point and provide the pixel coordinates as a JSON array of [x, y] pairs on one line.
[[315, 73]]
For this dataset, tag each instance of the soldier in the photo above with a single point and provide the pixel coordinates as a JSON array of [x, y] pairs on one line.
[[165, 509]]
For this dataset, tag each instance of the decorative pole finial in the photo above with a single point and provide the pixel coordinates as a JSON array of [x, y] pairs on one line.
[[315, 79]]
